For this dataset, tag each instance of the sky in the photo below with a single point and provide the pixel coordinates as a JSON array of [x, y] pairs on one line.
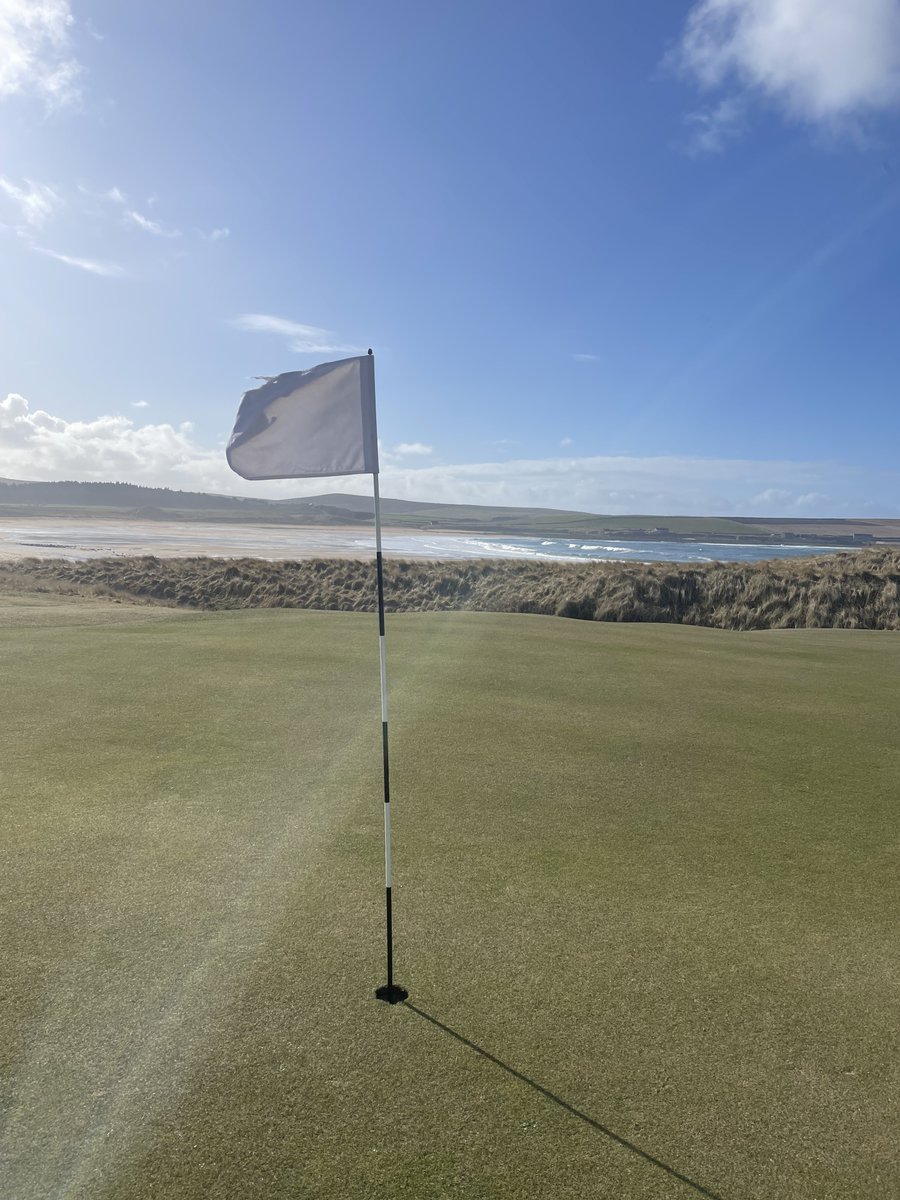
[[621, 258]]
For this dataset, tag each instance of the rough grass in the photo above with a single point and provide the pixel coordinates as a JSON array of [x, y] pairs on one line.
[[653, 871], [846, 591]]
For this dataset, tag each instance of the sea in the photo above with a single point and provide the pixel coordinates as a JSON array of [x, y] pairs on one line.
[[613, 550], [113, 538]]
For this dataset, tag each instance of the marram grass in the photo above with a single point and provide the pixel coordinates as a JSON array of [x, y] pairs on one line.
[[843, 591]]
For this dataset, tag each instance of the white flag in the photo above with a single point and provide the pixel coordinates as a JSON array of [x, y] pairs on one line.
[[308, 423]]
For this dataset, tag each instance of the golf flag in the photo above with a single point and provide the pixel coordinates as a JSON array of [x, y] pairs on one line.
[[322, 422], [308, 423]]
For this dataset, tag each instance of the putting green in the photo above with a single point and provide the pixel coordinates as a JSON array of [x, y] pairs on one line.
[[646, 898]]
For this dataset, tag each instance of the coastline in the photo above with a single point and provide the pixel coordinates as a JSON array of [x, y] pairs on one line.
[[85, 537], [35, 536]]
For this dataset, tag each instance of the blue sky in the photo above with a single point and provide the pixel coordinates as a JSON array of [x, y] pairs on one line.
[[625, 258]]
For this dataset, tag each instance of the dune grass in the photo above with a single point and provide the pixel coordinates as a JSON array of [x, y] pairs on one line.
[[845, 591], [646, 899]]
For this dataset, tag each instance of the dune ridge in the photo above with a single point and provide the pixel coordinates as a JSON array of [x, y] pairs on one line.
[[845, 591]]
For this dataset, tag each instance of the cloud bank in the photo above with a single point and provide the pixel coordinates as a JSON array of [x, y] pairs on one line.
[[37, 445]]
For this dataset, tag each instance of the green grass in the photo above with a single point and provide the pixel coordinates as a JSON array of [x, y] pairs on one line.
[[651, 869]]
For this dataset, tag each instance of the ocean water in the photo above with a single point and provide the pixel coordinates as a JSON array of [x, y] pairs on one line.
[[612, 550], [96, 539]]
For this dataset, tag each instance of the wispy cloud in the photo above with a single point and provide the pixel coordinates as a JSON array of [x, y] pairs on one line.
[[36, 201], [135, 219], [115, 195], [140, 404], [819, 61], [301, 339], [112, 195], [150, 226], [710, 129], [566, 441], [93, 266], [413, 449], [35, 51], [586, 357]]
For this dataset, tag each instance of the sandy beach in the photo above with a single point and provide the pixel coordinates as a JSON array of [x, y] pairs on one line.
[[97, 537], [40, 537]]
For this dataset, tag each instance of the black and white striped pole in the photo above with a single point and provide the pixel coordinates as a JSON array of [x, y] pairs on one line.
[[390, 992]]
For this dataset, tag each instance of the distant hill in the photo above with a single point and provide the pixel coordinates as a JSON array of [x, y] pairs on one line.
[[71, 498], [115, 495]]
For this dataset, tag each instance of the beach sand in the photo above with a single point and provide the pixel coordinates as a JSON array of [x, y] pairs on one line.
[[59, 537]]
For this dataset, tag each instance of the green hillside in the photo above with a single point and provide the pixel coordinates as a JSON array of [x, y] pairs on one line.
[[126, 500], [130, 500]]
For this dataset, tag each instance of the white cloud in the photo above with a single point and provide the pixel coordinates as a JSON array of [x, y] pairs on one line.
[[566, 441], [35, 201], [38, 445], [140, 404], [133, 218], [302, 339], [585, 357], [831, 61], [149, 226], [93, 266], [413, 448], [35, 56], [113, 195]]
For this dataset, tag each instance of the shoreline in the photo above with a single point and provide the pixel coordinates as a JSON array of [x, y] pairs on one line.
[[812, 539], [142, 538], [92, 537]]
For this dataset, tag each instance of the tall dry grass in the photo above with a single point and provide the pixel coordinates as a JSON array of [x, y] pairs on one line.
[[845, 591]]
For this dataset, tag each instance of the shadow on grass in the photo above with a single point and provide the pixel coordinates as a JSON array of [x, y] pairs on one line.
[[564, 1104]]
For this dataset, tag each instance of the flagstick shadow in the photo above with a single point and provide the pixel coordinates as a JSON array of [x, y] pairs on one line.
[[564, 1104]]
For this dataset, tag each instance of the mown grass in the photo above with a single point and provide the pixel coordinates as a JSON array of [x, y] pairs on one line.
[[845, 591], [652, 870]]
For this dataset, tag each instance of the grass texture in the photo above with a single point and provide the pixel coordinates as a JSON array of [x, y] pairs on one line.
[[646, 898], [846, 591]]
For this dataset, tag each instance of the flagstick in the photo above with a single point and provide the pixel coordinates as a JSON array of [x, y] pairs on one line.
[[391, 992]]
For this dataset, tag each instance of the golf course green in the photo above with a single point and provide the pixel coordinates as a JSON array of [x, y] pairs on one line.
[[646, 896]]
